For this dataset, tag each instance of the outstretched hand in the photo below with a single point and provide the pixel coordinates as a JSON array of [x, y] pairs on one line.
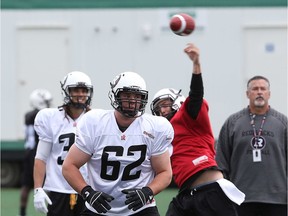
[[193, 52]]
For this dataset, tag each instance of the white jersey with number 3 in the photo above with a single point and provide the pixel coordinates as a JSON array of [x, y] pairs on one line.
[[121, 160], [54, 126]]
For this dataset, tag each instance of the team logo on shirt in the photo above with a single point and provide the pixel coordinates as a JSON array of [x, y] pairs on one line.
[[148, 134], [123, 137], [200, 160], [258, 142], [168, 138]]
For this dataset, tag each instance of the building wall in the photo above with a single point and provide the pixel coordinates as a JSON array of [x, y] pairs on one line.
[[40, 46]]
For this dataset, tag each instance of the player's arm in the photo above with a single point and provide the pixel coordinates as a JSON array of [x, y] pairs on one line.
[[44, 147], [30, 137], [40, 196], [163, 172], [196, 92], [70, 168], [39, 172], [42, 155]]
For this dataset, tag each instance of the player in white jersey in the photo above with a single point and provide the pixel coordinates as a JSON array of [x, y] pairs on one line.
[[127, 153], [56, 128]]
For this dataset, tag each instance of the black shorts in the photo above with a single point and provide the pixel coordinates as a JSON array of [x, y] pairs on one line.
[[205, 200], [151, 211], [28, 166], [263, 209], [65, 204]]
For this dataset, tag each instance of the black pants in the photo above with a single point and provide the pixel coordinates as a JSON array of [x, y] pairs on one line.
[[62, 206], [28, 166], [206, 200], [262, 209], [152, 211]]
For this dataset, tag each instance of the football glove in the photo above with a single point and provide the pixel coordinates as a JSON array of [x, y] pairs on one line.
[[40, 199], [136, 198], [97, 199]]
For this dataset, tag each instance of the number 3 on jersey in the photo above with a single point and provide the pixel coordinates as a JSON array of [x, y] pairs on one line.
[[119, 150], [70, 137]]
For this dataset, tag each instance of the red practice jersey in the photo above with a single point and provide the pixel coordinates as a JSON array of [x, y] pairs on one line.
[[193, 144]]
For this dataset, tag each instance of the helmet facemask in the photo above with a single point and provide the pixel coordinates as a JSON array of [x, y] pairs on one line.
[[71, 99], [76, 80], [175, 97], [139, 104], [129, 83], [156, 110]]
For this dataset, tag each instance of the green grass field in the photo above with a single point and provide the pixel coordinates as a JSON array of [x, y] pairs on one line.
[[10, 198]]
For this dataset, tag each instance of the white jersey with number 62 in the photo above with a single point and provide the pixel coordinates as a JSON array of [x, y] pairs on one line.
[[121, 160]]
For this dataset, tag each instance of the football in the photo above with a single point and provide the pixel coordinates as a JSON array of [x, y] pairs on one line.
[[182, 24]]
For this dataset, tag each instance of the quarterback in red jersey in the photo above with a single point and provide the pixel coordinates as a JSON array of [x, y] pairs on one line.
[[203, 190]]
